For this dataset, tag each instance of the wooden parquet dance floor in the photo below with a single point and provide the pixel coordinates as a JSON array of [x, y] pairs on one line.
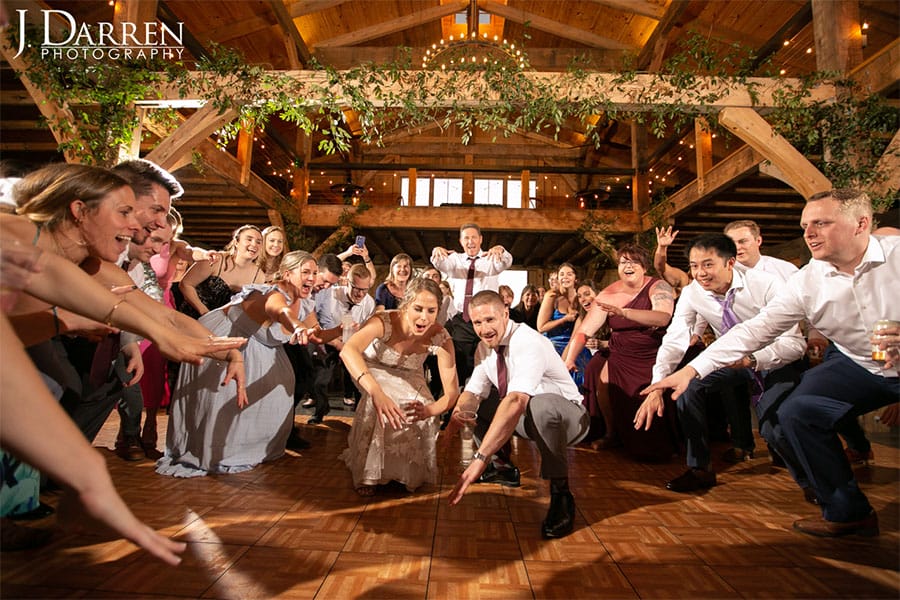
[[294, 528]]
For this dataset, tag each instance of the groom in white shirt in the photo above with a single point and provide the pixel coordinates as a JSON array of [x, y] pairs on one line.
[[537, 400], [851, 282]]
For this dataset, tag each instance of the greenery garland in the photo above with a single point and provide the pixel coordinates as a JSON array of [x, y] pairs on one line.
[[845, 138]]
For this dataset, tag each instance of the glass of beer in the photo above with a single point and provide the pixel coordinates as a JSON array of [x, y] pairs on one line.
[[879, 331]]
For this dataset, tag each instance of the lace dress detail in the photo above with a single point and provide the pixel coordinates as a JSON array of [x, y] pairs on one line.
[[379, 454]]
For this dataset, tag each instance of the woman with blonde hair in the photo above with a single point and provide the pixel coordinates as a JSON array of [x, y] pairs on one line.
[[212, 429], [207, 286], [395, 428], [272, 251], [389, 294]]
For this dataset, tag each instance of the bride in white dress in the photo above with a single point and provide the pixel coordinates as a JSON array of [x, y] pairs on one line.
[[395, 429]]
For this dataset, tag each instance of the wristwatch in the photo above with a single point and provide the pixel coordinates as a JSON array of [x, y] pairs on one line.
[[479, 456], [752, 362]]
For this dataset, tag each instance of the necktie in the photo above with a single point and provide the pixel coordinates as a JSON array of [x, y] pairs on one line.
[[470, 285], [502, 375], [729, 320]]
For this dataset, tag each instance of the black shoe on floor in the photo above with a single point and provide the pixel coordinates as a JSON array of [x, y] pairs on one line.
[[737, 455], [507, 476], [810, 495], [41, 512], [777, 461], [130, 449], [692, 480], [560, 518]]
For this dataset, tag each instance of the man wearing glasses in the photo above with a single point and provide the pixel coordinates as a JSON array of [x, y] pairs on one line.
[[352, 306]]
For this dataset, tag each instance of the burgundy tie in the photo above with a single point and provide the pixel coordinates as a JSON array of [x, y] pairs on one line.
[[470, 285], [502, 376]]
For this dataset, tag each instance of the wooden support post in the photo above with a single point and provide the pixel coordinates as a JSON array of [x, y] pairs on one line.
[[133, 150], [837, 34], [526, 188], [801, 174], [468, 183], [245, 153], [411, 194], [703, 147], [300, 189], [640, 183]]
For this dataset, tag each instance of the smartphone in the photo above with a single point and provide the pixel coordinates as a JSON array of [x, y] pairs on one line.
[[360, 241]]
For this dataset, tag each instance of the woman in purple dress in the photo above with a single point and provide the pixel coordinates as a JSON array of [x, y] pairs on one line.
[[638, 308]]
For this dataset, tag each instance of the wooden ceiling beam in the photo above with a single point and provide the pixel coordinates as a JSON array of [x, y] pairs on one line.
[[644, 8], [307, 7], [622, 96], [673, 21], [738, 165], [230, 168], [455, 147], [556, 28], [394, 25], [542, 59], [747, 125], [556, 220], [880, 71], [286, 22], [888, 167], [199, 126]]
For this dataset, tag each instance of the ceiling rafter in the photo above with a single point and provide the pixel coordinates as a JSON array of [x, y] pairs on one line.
[[554, 27], [393, 26], [645, 8], [294, 40]]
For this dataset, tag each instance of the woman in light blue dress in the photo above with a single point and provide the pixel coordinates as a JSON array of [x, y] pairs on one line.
[[217, 429]]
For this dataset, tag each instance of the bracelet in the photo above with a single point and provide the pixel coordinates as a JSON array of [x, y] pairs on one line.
[[55, 320], [367, 261], [479, 456], [108, 318], [361, 375]]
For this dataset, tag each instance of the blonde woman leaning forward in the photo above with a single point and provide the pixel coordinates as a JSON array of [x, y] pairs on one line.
[[395, 428]]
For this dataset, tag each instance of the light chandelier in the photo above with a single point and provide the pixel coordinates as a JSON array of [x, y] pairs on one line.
[[471, 50]]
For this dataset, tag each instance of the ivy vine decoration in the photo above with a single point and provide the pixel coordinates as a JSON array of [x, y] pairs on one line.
[[846, 137]]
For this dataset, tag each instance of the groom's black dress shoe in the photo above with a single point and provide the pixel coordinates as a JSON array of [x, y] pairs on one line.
[[561, 517]]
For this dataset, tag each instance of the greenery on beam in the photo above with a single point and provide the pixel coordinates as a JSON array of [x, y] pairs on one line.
[[847, 134]]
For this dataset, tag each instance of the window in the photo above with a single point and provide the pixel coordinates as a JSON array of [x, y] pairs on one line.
[[447, 191], [514, 193], [489, 191], [423, 191]]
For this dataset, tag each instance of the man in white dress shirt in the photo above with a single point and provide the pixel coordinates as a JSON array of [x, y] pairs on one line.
[[354, 300], [748, 239], [468, 272], [851, 282], [538, 401], [722, 296]]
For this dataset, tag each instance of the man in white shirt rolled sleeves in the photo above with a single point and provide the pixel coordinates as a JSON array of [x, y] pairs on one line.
[[717, 287], [851, 282], [748, 239], [538, 401], [468, 272]]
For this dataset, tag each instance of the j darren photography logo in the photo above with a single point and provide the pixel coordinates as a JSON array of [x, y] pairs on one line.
[[63, 37]]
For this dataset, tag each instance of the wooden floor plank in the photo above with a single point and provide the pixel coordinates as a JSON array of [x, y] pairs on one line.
[[295, 528]]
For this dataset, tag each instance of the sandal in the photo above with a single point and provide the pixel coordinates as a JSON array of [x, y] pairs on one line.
[[366, 491]]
